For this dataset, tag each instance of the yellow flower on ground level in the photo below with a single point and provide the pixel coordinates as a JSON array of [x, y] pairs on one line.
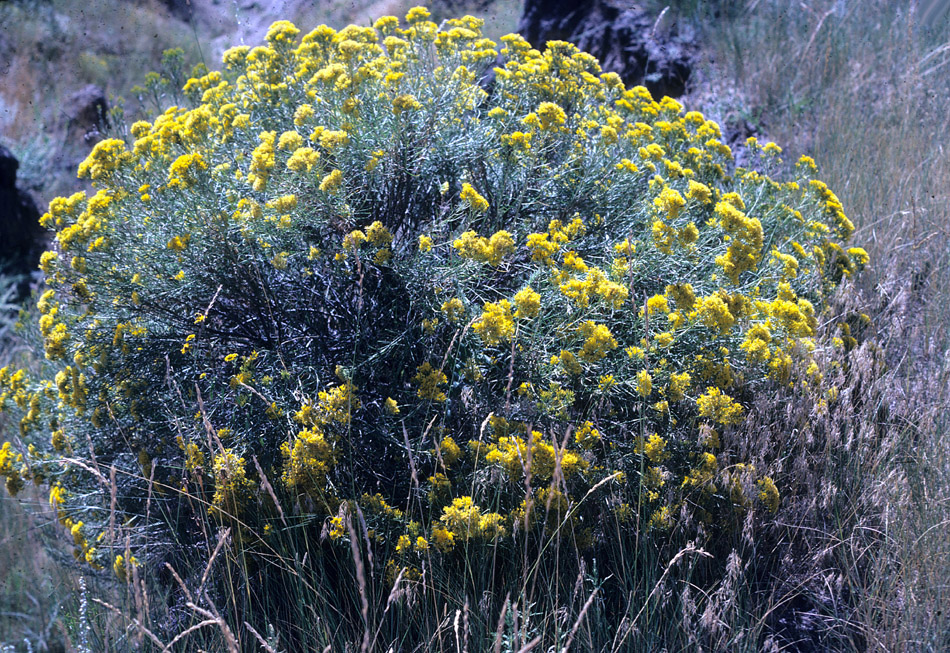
[[186, 169], [644, 383], [714, 313], [768, 493], [450, 451], [290, 141], [655, 449], [444, 539], [232, 488], [598, 341], [679, 383], [699, 192], [551, 116], [303, 159], [587, 436], [454, 309], [485, 250], [656, 304], [467, 521], [859, 255], [391, 406], [405, 102]]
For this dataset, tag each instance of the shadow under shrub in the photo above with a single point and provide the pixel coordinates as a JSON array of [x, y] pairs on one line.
[[351, 344]]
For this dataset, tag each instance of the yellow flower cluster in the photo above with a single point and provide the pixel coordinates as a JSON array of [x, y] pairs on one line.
[[768, 493], [527, 303], [485, 250], [496, 325], [655, 449], [232, 488], [473, 200], [106, 157], [429, 381], [644, 383], [669, 202], [10, 470], [307, 463], [719, 407], [587, 436], [746, 233], [464, 521], [186, 170], [598, 341], [518, 456]]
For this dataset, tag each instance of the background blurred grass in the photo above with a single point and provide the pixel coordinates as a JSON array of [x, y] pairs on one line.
[[862, 86]]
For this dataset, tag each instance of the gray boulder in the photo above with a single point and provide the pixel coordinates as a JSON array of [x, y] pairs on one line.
[[646, 49], [86, 115]]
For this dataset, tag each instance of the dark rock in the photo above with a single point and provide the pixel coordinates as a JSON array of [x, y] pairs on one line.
[[86, 115], [8, 168], [642, 48], [736, 130], [21, 236], [181, 9]]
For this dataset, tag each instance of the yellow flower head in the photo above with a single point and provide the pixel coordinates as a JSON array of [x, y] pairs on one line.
[[472, 198], [669, 202], [429, 381], [331, 182], [551, 116], [528, 303], [644, 383]]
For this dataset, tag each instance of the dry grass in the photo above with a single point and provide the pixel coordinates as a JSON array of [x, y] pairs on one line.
[[858, 86], [37, 590]]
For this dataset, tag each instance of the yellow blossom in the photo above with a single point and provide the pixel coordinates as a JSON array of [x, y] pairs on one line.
[[429, 379], [551, 116], [669, 202], [331, 182], [472, 198], [496, 324], [528, 303], [719, 407], [598, 341], [644, 383]]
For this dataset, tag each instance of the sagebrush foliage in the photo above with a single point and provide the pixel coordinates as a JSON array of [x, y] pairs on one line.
[[375, 272]]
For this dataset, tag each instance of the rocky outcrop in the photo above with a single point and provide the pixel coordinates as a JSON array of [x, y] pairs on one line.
[[181, 9], [21, 237], [646, 49], [86, 115]]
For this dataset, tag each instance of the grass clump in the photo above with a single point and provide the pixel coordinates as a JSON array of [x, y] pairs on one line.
[[375, 343]]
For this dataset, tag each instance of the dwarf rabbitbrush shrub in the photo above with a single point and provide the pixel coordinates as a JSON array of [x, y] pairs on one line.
[[471, 293]]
